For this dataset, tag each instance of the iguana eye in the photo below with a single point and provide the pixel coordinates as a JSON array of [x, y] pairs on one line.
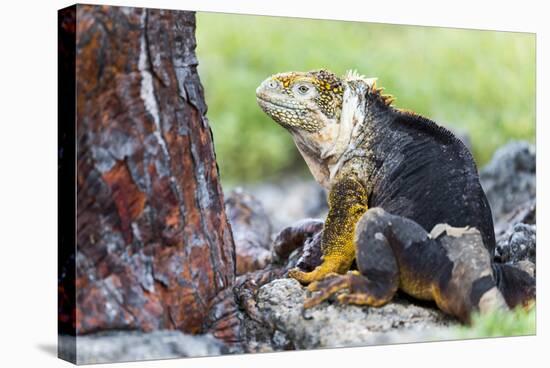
[[303, 89]]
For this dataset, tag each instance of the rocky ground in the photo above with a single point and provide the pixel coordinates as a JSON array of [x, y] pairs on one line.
[[333, 325], [125, 346], [272, 314]]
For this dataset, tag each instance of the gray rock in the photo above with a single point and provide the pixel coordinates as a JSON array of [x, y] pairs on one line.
[[291, 200], [123, 346], [516, 237], [518, 244], [509, 178], [525, 213], [333, 325]]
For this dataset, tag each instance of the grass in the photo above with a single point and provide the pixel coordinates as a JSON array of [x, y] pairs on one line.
[[513, 323], [480, 82]]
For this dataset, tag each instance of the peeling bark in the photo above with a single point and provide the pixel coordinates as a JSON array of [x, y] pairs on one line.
[[154, 248]]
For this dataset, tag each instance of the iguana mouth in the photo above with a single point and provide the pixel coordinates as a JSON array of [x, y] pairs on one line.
[[279, 103]]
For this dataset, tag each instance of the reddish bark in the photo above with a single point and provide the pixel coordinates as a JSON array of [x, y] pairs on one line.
[[154, 248]]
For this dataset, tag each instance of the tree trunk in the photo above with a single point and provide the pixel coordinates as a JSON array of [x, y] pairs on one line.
[[154, 248]]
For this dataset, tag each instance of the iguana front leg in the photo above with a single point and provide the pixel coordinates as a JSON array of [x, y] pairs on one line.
[[347, 203]]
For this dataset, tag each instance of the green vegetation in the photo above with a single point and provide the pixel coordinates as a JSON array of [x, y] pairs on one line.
[[476, 81], [515, 323]]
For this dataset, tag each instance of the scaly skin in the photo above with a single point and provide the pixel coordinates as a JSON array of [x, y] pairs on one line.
[[347, 203], [417, 174]]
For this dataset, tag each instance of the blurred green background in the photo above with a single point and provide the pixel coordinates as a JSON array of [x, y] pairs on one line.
[[479, 82]]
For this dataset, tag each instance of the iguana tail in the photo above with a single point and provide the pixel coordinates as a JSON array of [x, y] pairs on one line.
[[516, 285]]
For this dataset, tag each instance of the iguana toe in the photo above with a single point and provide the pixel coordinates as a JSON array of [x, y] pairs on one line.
[[352, 288], [327, 287], [304, 277]]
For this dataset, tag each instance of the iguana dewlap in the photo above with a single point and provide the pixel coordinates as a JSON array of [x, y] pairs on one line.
[[416, 174]]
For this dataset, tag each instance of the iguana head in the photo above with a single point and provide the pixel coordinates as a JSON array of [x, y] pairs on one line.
[[308, 101], [319, 109]]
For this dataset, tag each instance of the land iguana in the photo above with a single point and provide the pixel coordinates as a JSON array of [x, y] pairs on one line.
[[405, 201]]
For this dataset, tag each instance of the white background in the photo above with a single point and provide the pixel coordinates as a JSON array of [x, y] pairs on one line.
[[28, 181]]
